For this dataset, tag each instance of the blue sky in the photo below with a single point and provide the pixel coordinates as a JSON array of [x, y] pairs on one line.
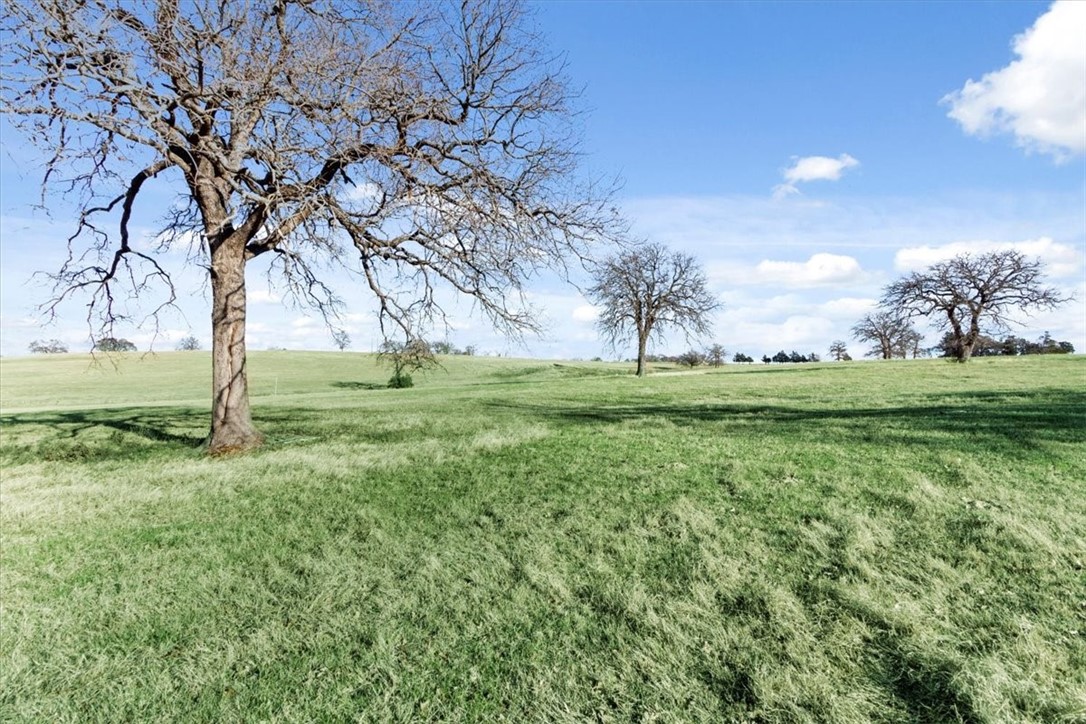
[[806, 152]]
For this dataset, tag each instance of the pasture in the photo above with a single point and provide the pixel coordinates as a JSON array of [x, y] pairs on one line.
[[529, 541]]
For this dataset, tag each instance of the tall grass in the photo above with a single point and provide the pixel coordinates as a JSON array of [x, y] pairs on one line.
[[516, 540]]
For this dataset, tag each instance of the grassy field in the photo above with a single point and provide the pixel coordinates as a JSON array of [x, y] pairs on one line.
[[525, 541]]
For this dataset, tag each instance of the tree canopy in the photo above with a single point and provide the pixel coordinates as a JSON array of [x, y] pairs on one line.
[[890, 330], [645, 290], [973, 293], [422, 146], [48, 346]]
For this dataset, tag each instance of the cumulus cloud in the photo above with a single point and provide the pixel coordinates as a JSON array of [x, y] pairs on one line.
[[1041, 96], [813, 168], [1060, 260]]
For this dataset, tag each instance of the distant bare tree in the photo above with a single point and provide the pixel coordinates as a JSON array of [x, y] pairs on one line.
[[891, 331], [421, 145], [643, 291], [839, 350], [973, 293], [341, 339], [188, 344], [50, 346], [691, 358], [716, 355]]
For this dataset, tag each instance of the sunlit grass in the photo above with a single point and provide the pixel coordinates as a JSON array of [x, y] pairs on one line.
[[523, 541]]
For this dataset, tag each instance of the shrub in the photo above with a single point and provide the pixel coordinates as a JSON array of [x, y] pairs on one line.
[[52, 346], [188, 344], [114, 344], [400, 380]]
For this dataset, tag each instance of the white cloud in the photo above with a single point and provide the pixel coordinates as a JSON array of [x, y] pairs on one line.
[[366, 192], [1041, 96], [848, 308], [802, 332], [305, 323], [585, 313], [1060, 260], [813, 168], [820, 269], [263, 296]]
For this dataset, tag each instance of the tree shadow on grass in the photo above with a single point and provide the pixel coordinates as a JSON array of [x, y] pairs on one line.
[[1019, 419], [115, 433], [151, 423], [922, 683], [348, 385]]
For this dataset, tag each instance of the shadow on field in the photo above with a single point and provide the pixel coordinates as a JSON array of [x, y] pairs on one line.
[[150, 423], [347, 385], [114, 433], [1018, 418], [923, 683]]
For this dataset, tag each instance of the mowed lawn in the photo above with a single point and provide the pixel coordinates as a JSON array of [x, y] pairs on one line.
[[526, 541]]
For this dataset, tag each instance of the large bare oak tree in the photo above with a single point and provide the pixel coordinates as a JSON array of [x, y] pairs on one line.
[[645, 290], [422, 145], [973, 292]]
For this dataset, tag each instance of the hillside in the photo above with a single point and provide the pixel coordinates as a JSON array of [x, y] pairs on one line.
[[526, 540]]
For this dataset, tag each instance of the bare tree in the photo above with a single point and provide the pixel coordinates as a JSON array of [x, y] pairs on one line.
[[405, 358], [341, 339], [424, 146], [51, 346], [643, 291], [890, 330], [716, 355], [839, 351], [973, 293], [188, 344]]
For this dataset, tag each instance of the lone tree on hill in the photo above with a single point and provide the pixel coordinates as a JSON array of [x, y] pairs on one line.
[[645, 290], [716, 355], [973, 292], [49, 346], [113, 344], [421, 145], [892, 333], [839, 351], [405, 358], [188, 344]]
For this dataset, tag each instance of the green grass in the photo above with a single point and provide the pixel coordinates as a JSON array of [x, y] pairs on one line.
[[523, 541]]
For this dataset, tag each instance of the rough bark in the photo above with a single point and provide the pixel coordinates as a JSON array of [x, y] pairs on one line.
[[642, 345], [425, 148], [232, 426]]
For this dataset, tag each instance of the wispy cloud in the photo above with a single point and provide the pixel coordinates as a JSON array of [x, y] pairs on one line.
[[1041, 96]]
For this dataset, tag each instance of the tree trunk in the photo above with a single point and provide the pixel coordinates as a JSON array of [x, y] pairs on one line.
[[970, 342], [642, 345], [231, 421], [961, 354]]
